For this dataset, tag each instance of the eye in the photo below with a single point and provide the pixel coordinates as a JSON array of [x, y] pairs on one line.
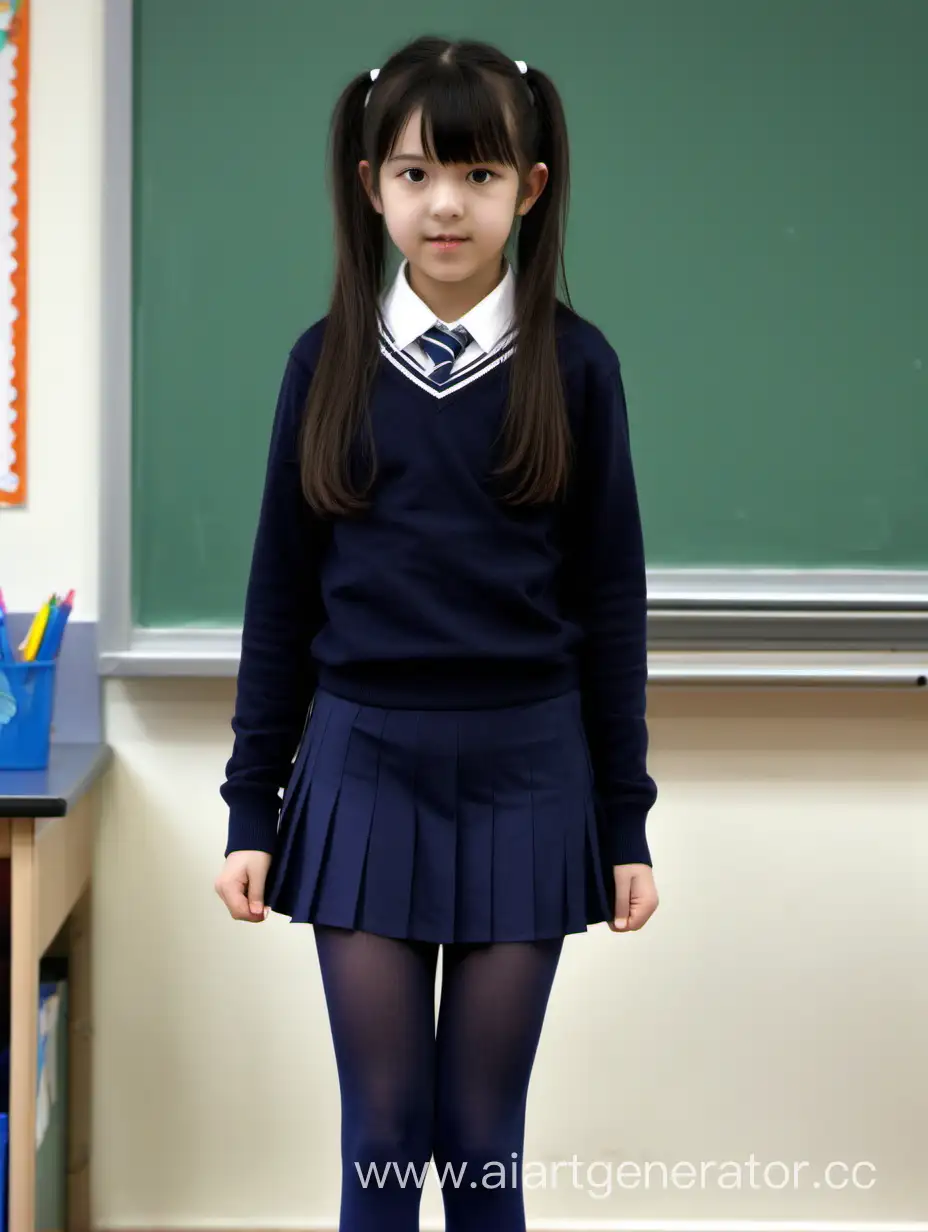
[[414, 171], [491, 175]]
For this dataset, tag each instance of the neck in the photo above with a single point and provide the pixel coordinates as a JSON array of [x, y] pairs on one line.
[[452, 300]]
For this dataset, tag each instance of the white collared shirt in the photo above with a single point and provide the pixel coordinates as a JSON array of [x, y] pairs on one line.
[[407, 317]]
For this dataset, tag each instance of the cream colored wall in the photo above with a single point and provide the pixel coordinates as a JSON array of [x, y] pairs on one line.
[[775, 1008]]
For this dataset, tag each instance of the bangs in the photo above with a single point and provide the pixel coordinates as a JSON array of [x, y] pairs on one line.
[[466, 118]]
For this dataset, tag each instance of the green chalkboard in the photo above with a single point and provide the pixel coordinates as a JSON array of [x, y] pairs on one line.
[[748, 226]]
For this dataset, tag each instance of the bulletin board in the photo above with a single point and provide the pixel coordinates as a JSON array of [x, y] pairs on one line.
[[14, 188]]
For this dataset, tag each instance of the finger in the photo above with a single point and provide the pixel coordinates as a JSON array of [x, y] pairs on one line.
[[236, 902], [622, 894], [234, 893], [256, 896], [643, 907]]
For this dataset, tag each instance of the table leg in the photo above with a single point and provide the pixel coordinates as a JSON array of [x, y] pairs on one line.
[[81, 1051], [24, 1025]]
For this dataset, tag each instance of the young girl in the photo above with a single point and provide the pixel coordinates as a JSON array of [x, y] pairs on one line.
[[444, 645]]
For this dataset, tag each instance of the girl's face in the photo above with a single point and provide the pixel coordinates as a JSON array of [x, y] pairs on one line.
[[450, 222]]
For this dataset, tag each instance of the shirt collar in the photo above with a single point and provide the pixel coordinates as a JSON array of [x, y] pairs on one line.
[[407, 316]]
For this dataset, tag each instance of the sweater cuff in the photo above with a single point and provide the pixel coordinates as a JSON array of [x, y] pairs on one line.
[[628, 842], [252, 828]]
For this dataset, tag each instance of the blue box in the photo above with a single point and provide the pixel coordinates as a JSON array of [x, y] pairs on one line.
[[27, 701]]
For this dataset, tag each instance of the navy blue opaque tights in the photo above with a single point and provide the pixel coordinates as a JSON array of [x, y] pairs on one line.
[[411, 1092]]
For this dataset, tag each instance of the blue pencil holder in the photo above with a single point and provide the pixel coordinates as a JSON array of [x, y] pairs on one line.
[[27, 701]]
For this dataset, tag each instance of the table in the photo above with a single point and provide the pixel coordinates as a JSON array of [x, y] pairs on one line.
[[47, 822]]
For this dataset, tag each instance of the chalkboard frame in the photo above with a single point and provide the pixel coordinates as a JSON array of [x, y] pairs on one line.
[[707, 627]]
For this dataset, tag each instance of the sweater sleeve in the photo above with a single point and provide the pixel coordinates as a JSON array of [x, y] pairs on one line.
[[612, 586], [283, 612]]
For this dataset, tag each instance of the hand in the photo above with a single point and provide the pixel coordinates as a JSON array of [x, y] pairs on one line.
[[635, 897], [240, 885]]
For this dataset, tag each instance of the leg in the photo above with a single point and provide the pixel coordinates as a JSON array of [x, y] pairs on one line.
[[493, 1004], [80, 1041], [380, 995]]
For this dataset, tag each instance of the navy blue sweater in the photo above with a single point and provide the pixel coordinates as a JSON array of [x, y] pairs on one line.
[[441, 596]]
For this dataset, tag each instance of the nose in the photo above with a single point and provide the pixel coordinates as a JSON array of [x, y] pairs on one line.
[[446, 200]]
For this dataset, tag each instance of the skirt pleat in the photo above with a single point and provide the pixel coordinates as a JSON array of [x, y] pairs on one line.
[[513, 871], [435, 809], [550, 872], [295, 798], [386, 899], [349, 820], [600, 882], [443, 826], [318, 813], [474, 897]]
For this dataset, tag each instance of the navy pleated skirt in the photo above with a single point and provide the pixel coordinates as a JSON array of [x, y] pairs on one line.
[[443, 825]]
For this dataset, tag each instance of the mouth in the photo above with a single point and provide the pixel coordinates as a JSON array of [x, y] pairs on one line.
[[445, 243]]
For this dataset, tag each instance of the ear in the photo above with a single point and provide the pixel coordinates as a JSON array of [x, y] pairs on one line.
[[367, 179], [535, 182]]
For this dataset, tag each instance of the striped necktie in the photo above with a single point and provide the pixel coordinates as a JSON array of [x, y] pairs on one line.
[[443, 347]]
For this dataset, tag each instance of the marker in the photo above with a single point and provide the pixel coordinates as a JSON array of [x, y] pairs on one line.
[[33, 639], [54, 630], [6, 650]]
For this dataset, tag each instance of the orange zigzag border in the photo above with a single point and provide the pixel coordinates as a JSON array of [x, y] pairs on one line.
[[19, 36]]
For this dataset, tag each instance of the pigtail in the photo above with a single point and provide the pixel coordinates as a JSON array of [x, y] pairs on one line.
[[538, 431], [541, 236], [347, 363]]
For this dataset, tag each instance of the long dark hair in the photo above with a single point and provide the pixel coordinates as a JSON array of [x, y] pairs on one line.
[[476, 107]]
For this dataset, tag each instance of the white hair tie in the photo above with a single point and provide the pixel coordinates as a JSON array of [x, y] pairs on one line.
[[522, 67]]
